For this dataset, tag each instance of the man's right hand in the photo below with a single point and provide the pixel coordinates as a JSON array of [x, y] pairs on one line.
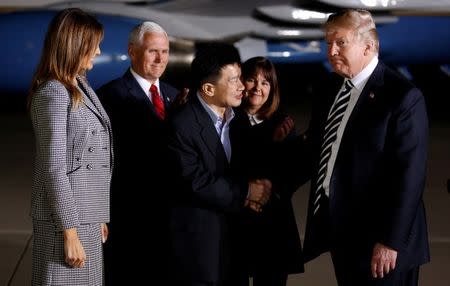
[[259, 194]]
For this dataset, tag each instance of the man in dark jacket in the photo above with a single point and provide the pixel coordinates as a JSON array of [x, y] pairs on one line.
[[369, 136], [137, 104]]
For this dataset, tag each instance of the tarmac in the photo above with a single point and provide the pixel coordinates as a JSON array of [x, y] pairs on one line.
[[16, 169]]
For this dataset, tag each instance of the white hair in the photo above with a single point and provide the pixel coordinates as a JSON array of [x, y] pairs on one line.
[[137, 34]]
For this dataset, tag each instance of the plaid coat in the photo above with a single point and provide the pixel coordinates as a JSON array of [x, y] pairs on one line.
[[73, 168]]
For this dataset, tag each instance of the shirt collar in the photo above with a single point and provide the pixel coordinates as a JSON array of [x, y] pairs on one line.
[[144, 83], [360, 79], [254, 119], [229, 113]]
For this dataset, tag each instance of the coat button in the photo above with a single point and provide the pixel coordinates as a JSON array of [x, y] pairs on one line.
[[78, 159], [94, 132], [91, 149], [89, 167]]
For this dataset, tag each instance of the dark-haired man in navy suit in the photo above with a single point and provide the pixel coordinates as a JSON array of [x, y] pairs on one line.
[[137, 104], [206, 192], [369, 136]]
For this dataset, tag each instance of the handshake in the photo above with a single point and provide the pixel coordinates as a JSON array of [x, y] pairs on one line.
[[259, 192]]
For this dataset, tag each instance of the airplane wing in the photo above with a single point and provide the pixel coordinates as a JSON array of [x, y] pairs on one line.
[[302, 16], [422, 6], [285, 31], [20, 4], [202, 20]]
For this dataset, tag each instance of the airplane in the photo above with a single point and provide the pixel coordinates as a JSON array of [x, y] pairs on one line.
[[287, 32], [434, 6]]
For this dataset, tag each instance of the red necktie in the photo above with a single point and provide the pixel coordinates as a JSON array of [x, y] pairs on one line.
[[157, 101]]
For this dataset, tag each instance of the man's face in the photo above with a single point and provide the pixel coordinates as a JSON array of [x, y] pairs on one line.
[[346, 54], [150, 59], [228, 89]]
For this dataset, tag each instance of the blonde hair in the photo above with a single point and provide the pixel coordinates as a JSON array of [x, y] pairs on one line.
[[72, 37], [359, 20]]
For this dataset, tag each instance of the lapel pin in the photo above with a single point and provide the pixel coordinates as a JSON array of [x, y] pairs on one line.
[[372, 95]]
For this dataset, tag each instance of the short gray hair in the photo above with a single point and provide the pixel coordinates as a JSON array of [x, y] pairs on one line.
[[137, 34]]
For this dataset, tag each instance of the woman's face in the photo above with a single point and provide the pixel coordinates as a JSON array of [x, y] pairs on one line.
[[257, 90], [89, 61]]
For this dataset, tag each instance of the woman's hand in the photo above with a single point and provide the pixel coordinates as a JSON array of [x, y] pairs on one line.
[[73, 249], [283, 129], [105, 232]]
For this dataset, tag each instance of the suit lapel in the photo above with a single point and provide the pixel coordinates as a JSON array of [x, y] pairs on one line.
[[93, 103], [91, 100], [136, 91], [208, 131], [368, 94], [139, 95], [164, 93]]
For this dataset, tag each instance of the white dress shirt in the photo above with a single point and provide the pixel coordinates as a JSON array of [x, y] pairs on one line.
[[222, 128], [145, 85]]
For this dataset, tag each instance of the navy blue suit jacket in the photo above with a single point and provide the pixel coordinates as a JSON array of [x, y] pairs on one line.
[[379, 175], [140, 135], [142, 171], [203, 197]]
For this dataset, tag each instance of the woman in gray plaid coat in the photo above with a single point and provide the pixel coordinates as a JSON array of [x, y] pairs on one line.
[[73, 164]]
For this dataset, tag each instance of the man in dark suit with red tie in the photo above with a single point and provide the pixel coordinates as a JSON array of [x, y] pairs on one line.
[[369, 140], [137, 104]]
